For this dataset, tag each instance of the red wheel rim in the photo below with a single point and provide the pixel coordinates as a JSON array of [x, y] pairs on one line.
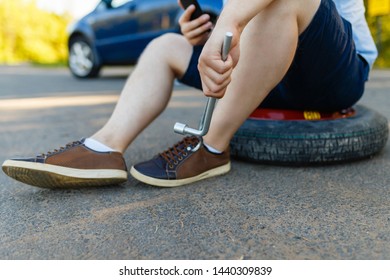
[[295, 115]]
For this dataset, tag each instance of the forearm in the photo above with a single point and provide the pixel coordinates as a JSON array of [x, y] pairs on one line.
[[236, 14], [215, 73]]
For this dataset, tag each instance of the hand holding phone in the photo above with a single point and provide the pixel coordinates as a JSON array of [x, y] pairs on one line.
[[195, 25], [198, 10]]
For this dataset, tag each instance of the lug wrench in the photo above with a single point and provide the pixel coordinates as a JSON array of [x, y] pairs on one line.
[[204, 125]]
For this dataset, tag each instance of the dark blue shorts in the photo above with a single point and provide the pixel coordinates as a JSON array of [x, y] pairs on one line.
[[326, 74]]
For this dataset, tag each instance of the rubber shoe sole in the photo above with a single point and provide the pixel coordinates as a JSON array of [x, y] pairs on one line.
[[179, 182], [53, 176]]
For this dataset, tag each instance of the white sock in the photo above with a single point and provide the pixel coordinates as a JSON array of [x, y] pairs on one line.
[[97, 146], [212, 150]]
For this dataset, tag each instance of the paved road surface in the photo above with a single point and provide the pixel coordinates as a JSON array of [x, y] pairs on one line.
[[254, 212]]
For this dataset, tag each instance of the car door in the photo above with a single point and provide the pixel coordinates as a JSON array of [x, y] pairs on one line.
[[123, 30]]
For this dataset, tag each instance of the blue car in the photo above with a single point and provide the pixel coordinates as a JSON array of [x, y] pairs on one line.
[[117, 31]]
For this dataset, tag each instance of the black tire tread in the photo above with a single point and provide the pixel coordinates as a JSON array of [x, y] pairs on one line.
[[312, 142]]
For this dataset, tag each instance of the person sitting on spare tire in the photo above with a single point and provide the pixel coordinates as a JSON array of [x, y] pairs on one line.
[[296, 54]]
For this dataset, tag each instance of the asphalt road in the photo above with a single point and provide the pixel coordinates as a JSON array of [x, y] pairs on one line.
[[254, 212]]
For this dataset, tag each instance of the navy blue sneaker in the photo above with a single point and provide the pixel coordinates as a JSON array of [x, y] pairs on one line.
[[180, 165]]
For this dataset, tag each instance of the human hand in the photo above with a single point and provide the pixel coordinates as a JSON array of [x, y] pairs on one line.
[[216, 73], [195, 31]]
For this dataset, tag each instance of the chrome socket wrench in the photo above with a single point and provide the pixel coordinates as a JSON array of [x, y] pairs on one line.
[[204, 125]]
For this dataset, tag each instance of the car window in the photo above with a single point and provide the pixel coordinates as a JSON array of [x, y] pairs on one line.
[[118, 3]]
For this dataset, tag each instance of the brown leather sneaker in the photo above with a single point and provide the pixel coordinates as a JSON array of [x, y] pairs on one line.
[[74, 165], [179, 165]]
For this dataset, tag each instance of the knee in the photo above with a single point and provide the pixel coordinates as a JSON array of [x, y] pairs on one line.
[[168, 42], [280, 9], [288, 13], [173, 49]]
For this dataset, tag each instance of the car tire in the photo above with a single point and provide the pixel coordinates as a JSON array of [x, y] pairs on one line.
[[311, 142], [83, 60]]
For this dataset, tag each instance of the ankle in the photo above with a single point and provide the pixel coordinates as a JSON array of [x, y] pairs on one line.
[[97, 145], [211, 149]]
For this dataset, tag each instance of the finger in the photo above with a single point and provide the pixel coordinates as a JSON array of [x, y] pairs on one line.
[[186, 16], [188, 25], [214, 85], [213, 67], [212, 93], [180, 4], [217, 78], [200, 31]]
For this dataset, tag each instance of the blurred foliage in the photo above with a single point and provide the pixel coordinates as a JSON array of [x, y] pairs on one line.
[[28, 34], [380, 29]]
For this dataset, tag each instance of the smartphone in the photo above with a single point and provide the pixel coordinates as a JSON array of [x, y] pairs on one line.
[[198, 10]]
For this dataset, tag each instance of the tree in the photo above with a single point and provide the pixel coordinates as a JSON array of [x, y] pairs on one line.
[[380, 29], [28, 34]]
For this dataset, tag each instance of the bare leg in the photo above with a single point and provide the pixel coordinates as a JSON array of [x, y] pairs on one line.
[[268, 46], [147, 91]]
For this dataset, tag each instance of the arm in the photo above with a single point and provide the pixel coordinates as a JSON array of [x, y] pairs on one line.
[[216, 74], [236, 15]]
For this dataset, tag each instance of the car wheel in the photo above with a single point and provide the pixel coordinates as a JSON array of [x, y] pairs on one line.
[[306, 142], [83, 60]]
